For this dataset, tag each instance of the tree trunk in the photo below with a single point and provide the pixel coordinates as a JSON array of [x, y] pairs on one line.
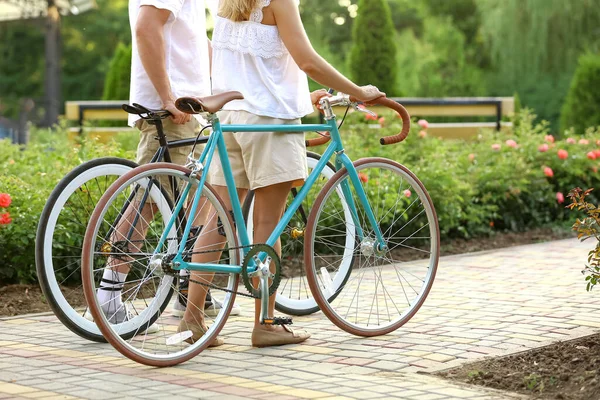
[[52, 81]]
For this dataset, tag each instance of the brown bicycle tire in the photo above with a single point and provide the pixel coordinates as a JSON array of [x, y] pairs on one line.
[[88, 284], [308, 250]]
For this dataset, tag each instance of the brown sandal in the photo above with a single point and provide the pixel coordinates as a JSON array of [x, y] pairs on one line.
[[264, 338], [197, 332]]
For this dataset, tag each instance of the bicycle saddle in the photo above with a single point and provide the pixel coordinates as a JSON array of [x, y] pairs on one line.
[[210, 104], [145, 113]]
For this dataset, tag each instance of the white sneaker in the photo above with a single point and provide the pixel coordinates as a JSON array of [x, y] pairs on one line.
[[212, 307], [122, 315]]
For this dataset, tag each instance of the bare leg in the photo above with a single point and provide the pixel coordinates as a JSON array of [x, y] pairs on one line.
[[209, 239], [269, 205], [132, 236]]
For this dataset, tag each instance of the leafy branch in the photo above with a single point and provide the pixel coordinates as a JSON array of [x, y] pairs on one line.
[[587, 228]]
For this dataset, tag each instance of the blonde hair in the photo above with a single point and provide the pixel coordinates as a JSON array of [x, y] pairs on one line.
[[237, 10]]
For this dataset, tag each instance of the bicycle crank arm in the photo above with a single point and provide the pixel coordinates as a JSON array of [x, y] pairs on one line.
[[264, 298]]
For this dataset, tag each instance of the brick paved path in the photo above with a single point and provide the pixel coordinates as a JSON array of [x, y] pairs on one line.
[[482, 304]]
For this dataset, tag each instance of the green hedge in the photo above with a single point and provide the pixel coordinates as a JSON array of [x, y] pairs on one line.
[[29, 176], [478, 187]]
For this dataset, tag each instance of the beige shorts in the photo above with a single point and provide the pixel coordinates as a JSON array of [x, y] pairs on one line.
[[149, 144], [260, 159]]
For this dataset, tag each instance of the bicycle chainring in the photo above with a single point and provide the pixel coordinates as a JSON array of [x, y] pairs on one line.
[[275, 277]]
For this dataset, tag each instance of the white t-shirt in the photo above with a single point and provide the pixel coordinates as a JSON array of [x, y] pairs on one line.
[[186, 53]]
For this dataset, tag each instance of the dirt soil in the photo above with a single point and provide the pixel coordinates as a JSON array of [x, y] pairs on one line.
[[564, 371], [26, 299]]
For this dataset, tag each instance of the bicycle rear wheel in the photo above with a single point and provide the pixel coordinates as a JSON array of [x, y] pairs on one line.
[[293, 294], [133, 247], [385, 287], [60, 235]]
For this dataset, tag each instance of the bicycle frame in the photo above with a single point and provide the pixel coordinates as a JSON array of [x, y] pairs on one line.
[[217, 143]]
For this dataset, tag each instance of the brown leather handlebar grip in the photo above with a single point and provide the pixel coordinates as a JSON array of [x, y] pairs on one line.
[[319, 141], [399, 108]]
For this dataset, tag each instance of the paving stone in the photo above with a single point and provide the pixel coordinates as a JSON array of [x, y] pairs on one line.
[[461, 320]]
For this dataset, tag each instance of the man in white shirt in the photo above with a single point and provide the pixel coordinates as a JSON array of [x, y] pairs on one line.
[[170, 59]]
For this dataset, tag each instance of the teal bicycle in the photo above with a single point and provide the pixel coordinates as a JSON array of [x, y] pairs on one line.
[[371, 245]]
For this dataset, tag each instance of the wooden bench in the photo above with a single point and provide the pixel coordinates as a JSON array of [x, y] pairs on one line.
[[496, 108], [82, 112]]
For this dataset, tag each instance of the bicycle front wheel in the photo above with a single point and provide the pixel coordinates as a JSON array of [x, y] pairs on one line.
[[133, 231], [387, 284], [60, 235]]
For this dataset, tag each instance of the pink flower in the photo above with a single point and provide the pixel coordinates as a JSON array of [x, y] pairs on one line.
[[548, 172], [597, 153], [423, 123], [571, 140], [363, 177], [407, 193], [370, 117], [5, 200], [560, 198], [591, 155], [471, 157], [512, 143], [549, 138], [382, 121], [496, 147], [563, 154], [5, 219], [422, 134], [543, 148], [584, 141]]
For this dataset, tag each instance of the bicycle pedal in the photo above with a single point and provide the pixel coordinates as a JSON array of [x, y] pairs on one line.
[[278, 321]]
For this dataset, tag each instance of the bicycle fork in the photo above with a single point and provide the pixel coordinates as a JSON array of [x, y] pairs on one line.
[[379, 245]]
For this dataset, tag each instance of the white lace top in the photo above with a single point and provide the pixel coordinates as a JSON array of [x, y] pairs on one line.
[[250, 57]]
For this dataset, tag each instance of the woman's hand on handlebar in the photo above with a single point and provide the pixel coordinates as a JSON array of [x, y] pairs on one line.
[[369, 93], [317, 95]]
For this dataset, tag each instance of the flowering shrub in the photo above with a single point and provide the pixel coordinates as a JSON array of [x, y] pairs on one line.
[[588, 228], [494, 182], [5, 201]]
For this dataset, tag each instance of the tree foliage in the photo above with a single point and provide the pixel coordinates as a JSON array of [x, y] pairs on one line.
[[436, 64], [534, 46], [582, 106], [116, 84], [373, 55], [88, 44]]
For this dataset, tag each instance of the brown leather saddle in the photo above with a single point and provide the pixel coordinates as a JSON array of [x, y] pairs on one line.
[[210, 104]]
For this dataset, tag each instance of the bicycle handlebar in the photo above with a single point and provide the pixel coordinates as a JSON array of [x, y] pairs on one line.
[[399, 108], [382, 101], [318, 141]]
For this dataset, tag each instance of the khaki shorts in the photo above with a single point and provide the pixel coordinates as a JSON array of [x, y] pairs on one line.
[[149, 144], [260, 159]]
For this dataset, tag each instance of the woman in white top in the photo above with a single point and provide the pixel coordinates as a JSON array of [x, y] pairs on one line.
[[261, 49]]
